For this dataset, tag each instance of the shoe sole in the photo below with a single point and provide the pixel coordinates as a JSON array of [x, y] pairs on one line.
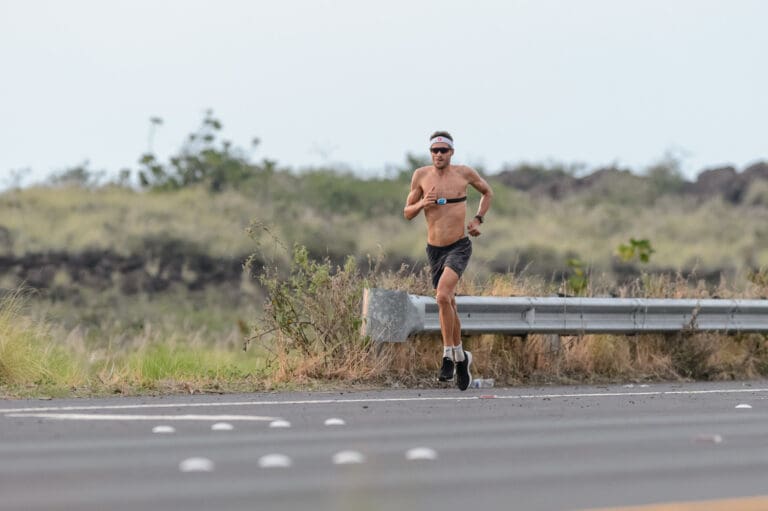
[[469, 371]]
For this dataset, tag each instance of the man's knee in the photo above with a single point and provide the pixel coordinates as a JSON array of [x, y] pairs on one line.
[[444, 299]]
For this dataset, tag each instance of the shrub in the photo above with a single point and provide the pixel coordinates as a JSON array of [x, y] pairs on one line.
[[312, 319]]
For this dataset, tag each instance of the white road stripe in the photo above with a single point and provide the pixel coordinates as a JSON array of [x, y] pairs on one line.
[[127, 417], [379, 400]]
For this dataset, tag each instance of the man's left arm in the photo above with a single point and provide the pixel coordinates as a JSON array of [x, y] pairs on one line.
[[482, 186]]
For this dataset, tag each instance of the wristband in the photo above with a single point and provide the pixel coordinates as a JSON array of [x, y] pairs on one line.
[[479, 218]]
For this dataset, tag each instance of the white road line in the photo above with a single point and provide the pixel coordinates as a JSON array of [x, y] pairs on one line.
[[127, 417], [381, 400]]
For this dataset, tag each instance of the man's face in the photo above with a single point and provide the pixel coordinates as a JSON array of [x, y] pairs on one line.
[[441, 155]]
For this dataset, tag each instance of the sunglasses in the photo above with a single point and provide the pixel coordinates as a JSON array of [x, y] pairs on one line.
[[441, 150]]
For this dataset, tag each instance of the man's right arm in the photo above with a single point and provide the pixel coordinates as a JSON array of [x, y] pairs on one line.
[[416, 199]]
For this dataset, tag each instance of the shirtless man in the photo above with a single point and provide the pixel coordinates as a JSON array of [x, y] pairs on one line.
[[441, 191]]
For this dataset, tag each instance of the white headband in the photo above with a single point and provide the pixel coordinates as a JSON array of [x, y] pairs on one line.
[[443, 140]]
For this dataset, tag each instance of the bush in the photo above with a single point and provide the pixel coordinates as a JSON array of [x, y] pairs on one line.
[[312, 320]]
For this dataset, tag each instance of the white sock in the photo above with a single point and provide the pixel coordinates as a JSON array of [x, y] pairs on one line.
[[458, 353], [448, 352]]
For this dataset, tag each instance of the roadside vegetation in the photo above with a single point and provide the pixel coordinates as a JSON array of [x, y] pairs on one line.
[[212, 272]]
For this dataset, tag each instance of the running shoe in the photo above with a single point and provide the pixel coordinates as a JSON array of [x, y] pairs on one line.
[[463, 375], [446, 372]]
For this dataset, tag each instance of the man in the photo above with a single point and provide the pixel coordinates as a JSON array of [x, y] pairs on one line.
[[441, 191]]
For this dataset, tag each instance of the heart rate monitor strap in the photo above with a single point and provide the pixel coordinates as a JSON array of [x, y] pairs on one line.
[[442, 200]]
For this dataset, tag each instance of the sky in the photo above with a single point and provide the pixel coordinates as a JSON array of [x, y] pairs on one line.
[[358, 84]]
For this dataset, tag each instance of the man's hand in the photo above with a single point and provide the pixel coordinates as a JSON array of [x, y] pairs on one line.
[[474, 227], [429, 199]]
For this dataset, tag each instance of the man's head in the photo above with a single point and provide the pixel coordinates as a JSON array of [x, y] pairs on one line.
[[441, 148]]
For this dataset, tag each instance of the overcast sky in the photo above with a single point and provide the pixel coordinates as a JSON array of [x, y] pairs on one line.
[[362, 83]]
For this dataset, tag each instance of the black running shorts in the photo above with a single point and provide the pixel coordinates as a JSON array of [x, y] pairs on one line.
[[455, 256]]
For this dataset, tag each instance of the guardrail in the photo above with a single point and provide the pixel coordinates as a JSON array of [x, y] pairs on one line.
[[393, 316]]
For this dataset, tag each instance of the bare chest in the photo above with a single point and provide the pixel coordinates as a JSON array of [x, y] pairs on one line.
[[450, 185]]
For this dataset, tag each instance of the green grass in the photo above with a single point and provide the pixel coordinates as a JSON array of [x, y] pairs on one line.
[[363, 218], [307, 336], [128, 345], [29, 356], [73, 340]]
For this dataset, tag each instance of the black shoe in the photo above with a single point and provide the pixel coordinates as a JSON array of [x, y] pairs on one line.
[[446, 372], [463, 376]]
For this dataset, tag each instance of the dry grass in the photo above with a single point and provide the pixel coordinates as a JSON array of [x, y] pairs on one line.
[[29, 355], [138, 348], [685, 232], [158, 347], [166, 354], [536, 358]]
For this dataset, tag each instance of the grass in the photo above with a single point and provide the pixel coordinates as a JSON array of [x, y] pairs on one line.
[[137, 345], [686, 233], [301, 321], [29, 357], [308, 337]]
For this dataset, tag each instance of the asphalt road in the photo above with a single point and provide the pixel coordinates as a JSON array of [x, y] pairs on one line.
[[554, 448]]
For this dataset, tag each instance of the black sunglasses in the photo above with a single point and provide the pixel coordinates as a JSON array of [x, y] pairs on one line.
[[441, 150]]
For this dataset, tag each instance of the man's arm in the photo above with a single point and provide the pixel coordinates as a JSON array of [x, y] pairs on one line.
[[416, 200], [482, 186]]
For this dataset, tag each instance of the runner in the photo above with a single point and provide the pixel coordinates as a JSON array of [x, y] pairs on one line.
[[440, 190]]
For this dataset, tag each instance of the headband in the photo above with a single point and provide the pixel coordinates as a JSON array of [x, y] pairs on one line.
[[444, 140]]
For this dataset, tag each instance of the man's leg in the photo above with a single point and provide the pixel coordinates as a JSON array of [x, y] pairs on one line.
[[450, 326], [445, 292], [446, 307], [456, 323]]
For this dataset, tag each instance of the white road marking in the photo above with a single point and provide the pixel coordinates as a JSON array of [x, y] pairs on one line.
[[164, 429], [126, 417], [222, 426], [382, 400], [196, 465], [275, 461], [334, 422], [348, 458], [280, 423], [421, 453]]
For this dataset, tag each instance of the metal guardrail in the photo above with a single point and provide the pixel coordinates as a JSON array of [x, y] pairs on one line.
[[392, 316]]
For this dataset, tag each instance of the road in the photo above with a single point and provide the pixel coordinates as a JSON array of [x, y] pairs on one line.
[[544, 448]]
